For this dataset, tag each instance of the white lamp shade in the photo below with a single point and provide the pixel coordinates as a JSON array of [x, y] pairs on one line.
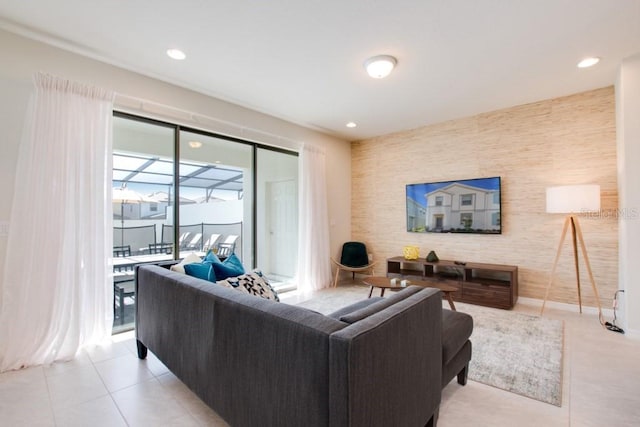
[[573, 198]]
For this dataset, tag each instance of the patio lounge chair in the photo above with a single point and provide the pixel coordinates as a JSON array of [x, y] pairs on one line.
[[195, 241], [210, 243], [227, 247]]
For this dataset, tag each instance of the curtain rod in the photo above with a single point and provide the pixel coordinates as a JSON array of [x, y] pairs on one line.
[[134, 104]]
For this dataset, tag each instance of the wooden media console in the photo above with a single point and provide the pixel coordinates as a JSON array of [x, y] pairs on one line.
[[491, 285]]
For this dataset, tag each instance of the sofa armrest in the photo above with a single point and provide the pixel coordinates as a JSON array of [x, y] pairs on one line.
[[228, 346], [353, 307], [381, 304], [390, 359]]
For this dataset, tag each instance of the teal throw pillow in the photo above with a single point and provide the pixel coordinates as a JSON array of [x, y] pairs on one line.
[[230, 267], [201, 271], [211, 257]]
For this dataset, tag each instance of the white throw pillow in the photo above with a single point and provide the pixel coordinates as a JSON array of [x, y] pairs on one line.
[[189, 259]]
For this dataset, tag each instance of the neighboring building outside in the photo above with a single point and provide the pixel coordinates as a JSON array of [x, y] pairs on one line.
[[460, 207], [416, 216]]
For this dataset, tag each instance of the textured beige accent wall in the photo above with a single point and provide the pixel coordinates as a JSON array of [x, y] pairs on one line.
[[562, 141]]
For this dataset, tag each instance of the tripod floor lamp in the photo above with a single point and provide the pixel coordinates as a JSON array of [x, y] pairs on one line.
[[570, 200]]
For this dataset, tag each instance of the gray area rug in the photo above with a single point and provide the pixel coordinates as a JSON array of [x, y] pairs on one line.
[[517, 352], [511, 351]]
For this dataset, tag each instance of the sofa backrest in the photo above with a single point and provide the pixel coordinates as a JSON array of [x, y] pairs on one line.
[[231, 348], [260, 362]]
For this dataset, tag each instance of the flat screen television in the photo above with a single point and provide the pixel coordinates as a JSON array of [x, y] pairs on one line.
[[463, 206]]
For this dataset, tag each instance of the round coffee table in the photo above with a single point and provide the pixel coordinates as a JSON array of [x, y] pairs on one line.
[[384, 283]]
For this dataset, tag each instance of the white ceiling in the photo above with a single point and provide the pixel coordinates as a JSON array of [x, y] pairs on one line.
[[302, 60]]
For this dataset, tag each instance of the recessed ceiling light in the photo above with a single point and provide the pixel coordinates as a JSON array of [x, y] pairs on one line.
[[176, 54], [351, 125], [195, 144], [588, 62], [380, 66]]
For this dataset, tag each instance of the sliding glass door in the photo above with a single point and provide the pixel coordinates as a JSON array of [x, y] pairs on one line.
[[277, 216], [232, 197], [216, 193], [143, 180]]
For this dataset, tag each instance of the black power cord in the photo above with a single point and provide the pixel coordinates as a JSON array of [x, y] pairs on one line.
[[612, 325]]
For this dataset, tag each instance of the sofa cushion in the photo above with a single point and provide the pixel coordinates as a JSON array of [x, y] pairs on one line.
[[456, 330], [381, 304], [255, 284]]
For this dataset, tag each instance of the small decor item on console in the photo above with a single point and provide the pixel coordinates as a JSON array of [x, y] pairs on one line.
[[432, 257], [411, 252]]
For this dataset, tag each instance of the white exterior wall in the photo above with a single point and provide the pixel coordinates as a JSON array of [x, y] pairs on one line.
[[443, 210]]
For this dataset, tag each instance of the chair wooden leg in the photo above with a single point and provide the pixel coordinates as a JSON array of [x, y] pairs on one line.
[[335, 282]]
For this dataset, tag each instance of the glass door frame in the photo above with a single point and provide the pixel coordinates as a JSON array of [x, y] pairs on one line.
[[176, 177]]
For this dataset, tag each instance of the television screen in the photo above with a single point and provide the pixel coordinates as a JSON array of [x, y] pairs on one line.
[[464, 206]]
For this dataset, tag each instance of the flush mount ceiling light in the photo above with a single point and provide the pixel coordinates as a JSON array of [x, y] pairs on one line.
[[351, 125], [195, 144], [380, 66], [176, 54], [588, 62]]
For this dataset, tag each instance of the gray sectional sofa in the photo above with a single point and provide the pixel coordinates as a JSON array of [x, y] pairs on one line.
[[259, 362]]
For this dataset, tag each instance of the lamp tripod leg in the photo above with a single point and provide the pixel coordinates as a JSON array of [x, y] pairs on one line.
[[555, 263], [588, 265], [575, 258]]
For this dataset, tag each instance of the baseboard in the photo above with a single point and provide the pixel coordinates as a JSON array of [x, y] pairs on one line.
[[632, 333], [606, 312]]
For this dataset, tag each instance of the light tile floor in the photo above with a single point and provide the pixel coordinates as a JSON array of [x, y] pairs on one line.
[[601, 384], [108, 386]]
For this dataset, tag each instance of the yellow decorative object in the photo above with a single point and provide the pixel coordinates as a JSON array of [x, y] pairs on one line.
[[411, 252]]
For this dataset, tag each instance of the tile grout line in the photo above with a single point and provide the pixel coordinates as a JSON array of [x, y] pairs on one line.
[[46, 381], [108, 391]]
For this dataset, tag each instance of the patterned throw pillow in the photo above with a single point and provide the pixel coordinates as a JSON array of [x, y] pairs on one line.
[[225, 283], [256, 284]]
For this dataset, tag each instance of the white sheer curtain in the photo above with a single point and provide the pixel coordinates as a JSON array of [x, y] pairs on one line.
[[57, 294], [314, 266]]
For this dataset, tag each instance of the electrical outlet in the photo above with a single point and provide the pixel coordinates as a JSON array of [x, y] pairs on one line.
[[4, 228]]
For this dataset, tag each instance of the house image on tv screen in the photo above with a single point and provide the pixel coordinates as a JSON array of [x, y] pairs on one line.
[[468, 206]]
